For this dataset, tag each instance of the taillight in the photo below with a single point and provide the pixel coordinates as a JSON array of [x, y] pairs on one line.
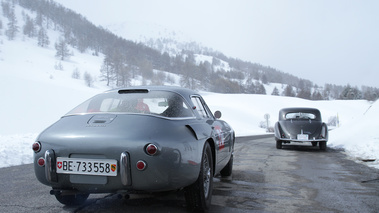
[[36, 147], [151, 149], [41, 161], [141, 165]]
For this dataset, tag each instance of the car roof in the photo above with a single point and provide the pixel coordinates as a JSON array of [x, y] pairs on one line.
[[186, 93], [284, 111]]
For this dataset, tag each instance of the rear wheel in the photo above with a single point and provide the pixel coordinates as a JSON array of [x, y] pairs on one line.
[[279, 144], [199, 194], [72, 200]]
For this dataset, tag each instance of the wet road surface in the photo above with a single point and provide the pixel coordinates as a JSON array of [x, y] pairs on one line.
[[265, 179]]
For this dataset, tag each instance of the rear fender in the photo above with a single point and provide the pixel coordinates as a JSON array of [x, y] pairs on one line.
[[278, 131], [201, 131], [324, 131]]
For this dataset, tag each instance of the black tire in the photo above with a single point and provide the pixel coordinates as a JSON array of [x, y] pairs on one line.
[[72, 200], [322, 145], [279, 144], [228, 169], [199, 194]]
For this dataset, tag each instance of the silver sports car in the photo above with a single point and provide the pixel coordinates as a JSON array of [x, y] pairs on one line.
[[301, 125], [136, 140]]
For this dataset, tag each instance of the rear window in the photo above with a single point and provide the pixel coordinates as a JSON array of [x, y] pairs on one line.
[[162, 103], [300, 115]]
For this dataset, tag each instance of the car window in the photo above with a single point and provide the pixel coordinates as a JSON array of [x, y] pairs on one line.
[[162, 103], [300, 115], [199, 107]]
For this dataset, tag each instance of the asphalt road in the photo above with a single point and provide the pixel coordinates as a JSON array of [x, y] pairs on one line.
[[294, 179]]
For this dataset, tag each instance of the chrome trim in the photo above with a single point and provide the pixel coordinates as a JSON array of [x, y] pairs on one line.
[[125, 169], [50, 166], [296, 140]]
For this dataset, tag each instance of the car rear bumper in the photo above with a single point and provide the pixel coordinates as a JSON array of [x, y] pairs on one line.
[[161, 174], [301, 141]]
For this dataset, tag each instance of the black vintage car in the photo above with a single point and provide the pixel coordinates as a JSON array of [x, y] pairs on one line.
[[301, 125]]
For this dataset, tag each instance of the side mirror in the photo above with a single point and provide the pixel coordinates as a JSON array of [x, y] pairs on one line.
[[218, 114]]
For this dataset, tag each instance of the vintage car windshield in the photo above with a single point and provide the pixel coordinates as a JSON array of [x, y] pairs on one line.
[[162, 103], [300, 115]]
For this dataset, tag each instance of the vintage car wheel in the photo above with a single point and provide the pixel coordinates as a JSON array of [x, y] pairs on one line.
[[199, 194], [322, 145], [227, 170], [72, 200], [279, 144]]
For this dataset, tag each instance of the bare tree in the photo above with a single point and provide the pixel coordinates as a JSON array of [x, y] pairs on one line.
[[76, 74], [88, 79], [106, 71]]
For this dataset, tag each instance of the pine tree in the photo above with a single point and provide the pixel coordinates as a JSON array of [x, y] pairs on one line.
[[304, 93], [1, 27], [29, 27], [12, 25], [351, 93], [288, 91], [43, 39], [6, 8], [39, 19], [275, 92], [62, 50], [260, 89], [264, 79], [316, 95]]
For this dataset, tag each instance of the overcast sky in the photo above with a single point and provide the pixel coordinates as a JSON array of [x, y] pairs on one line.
[[325, 41]]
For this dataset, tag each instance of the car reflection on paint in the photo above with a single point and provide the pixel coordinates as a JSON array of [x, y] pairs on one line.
[[136, 140]]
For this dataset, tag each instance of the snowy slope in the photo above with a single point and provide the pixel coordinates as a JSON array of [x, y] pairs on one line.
[[34, 94]]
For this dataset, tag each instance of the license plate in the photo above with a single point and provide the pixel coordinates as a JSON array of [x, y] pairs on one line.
[[302, 137], [101, 167]]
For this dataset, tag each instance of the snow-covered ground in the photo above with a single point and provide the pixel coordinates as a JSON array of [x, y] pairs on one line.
[[32, 102], [356, 134], [36, 89]]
